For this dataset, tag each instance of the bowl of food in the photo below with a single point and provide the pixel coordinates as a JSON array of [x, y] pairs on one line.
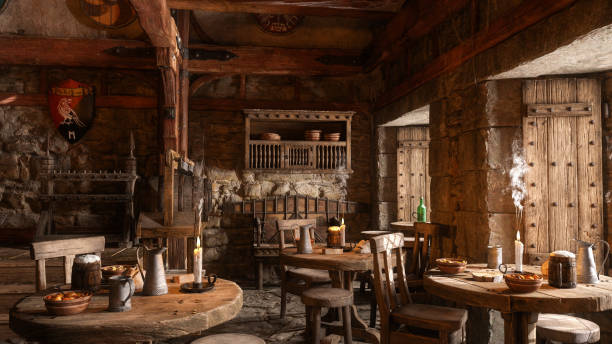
[[488, 275], [115, 270], [451, 265], [67, 302], [525, 282]]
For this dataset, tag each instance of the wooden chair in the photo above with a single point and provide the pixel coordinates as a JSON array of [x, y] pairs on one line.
[[426, 247], [66, 248], [229, 338], [317, 298], [399, 317], [566, 329], [296, 280]]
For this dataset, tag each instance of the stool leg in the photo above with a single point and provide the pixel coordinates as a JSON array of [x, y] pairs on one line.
[[316, 324], [373, 306], [346, 323], [283, 309], [308, 331]]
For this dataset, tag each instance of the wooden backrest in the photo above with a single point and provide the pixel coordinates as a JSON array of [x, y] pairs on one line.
[[66, 247], [294, 226], [424, 252], [387, 254]]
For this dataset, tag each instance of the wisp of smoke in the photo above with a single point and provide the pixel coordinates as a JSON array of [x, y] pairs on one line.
[[519, 167]]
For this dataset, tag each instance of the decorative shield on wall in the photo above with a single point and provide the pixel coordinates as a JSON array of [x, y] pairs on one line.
[[72, 107]]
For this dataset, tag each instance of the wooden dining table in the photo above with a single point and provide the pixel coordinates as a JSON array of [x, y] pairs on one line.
[[519, 310], [152, 318], [342, 269]]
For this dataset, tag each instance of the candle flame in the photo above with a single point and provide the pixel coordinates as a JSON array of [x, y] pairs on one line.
[[343, 220], [518, 235], [198, 242]]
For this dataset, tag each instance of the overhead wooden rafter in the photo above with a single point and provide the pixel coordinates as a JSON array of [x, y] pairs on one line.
[[413, 21], [517, 19], [373, 9]]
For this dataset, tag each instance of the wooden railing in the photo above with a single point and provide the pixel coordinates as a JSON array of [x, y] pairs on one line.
[[306, 155]]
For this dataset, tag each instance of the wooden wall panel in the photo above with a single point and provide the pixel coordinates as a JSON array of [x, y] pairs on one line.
[[564, 180], [413, 179]]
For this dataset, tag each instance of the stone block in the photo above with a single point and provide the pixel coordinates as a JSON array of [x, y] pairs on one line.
[[437, 120], [387, 191], [386, 139], [503, 232], [385, 213], [472, 234], [499, 146], [503, 102], [440, 194], [499, 193], [439, 155], [386, 165], [474, 191], [472, 151], [9, 165]]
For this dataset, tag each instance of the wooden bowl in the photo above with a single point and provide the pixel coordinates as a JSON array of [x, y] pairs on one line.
[[115, 270], [520, 285], [270, 137], [451, 265], [332, 137], [67, 307]]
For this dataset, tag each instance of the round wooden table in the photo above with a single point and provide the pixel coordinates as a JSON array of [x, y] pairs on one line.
[[342, 268], [152, 318], [520, 311], [403, 226]]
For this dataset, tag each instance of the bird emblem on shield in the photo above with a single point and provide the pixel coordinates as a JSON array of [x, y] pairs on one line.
[[72, 107]]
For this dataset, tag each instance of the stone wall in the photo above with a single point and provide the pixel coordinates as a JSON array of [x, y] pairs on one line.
[[384, 210], [217, 138], [23, 135], [471, 138]]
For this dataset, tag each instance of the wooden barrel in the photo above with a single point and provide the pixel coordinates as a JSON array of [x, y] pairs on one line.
[[86, 273]]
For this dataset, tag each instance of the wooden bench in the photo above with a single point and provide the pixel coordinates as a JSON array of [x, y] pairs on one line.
[[66, 248]]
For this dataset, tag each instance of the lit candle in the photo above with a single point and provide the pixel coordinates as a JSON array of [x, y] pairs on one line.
[[197, 263], [342, 234], [518, 252]]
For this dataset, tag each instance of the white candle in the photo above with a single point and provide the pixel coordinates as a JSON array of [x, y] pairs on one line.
[[197, 263], [342, 234], [518, 252]]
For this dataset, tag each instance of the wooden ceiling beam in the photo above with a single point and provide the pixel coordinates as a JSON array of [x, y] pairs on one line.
[[234, 104], [415, 20], [72, 52], [155, 19], [209, 59], [517, 19], [378, 10]]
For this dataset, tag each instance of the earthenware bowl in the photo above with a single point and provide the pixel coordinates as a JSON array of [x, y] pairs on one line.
[[518, 285], [451, 265], [67, 307]]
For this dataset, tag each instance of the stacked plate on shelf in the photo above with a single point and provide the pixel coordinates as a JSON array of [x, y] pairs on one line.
[[331, 136], [312, 135], [270, 137]]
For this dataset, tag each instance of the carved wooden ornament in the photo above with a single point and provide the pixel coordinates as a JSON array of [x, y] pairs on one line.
[[278, 23]]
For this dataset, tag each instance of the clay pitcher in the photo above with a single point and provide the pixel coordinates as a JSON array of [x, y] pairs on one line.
[[121, 292], [304, 245], [155, 280]]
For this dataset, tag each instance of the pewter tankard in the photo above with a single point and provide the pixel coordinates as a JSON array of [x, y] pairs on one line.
[[585, 262], [155, 280], [121, 292]]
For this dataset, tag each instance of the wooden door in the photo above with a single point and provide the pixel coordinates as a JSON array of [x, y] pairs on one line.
[[412, 171], [563, 149]]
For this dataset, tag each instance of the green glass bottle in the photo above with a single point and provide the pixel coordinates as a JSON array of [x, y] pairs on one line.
[[421, 212]]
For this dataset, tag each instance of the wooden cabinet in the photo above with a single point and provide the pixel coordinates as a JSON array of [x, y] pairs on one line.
[[292, 152]]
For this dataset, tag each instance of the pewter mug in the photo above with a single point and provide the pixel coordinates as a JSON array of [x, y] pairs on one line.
[[304, 245], [121, 292], [585, 261], [155, 280]]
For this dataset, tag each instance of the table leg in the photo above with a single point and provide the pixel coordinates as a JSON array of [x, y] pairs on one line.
[[520, 327]]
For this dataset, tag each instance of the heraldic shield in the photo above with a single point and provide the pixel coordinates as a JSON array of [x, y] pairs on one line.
[[71, 104]]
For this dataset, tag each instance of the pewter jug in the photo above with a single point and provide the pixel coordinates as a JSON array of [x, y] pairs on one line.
[[121, 292], [155, 280], [304, 245], [585, 262]]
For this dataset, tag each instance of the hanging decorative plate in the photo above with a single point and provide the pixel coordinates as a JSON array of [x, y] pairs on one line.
[[111, 14], [3, 4], [278, 23]]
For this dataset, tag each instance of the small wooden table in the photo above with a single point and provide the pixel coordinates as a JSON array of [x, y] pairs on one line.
[[403, 226], [520, 311], [151, 319], [342, 268]]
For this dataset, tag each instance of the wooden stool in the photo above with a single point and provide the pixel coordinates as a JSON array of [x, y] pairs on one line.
[[229, 338], [566, 329], [317, 298]]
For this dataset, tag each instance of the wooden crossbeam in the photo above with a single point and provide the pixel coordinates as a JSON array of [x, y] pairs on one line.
[[233, 104], [517, 19], [372, 9], [413, 21], [40, 99], [155, 20]]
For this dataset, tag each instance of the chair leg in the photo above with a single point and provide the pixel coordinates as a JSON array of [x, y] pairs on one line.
[[346, 323], [316, 325], [373, 312], [283, 310], [260, 275]]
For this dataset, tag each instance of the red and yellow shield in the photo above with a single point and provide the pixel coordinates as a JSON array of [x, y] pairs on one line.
[[72, 107]]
